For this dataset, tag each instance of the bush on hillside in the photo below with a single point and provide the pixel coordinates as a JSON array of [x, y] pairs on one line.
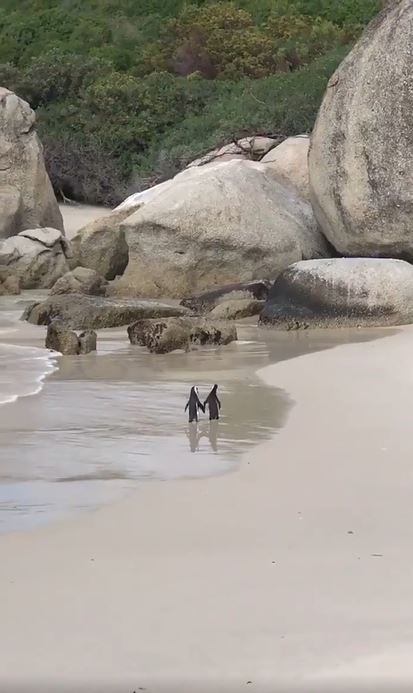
[[221, 40], [129, 92], [83, 170], [275, 106]]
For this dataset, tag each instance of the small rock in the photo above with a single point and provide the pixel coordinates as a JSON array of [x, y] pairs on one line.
[[60, 339], [163, 336], [81, 280], [10, 286], [208, 300], [101, 245], [87, 342], [236, 310], [36, 256]]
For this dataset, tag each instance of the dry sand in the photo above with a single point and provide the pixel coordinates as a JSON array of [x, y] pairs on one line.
[[295, 570], [75, 216]]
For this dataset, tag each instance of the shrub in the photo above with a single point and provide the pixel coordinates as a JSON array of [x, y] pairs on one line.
[[128, 92], [84, 170]]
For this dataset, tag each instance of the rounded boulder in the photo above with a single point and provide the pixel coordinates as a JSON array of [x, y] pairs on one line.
[[341, 292], [361, 153]]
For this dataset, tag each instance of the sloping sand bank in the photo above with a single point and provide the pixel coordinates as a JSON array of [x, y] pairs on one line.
[[293, 571], [75, 216]]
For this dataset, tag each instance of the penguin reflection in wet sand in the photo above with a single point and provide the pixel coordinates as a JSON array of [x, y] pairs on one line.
[[193, 404], [214, 405]]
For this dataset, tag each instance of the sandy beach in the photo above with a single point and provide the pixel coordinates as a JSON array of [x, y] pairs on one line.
[[225, 188], [75, 216], [291, 572]]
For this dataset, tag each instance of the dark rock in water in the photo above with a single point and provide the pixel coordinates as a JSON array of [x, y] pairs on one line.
[[81, 281], [163, 336], [80, 312], [341, 292], [87, 342], [66, 342], [205, 302], [60, 339]]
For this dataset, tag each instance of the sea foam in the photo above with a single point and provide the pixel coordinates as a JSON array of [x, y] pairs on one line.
[[22, 371]]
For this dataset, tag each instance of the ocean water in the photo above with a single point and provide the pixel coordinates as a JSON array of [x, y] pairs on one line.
[[23, 370], [105, 424], [79, 432]]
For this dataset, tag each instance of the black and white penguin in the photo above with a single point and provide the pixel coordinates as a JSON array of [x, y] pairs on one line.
[[214, 405], [193, 404]]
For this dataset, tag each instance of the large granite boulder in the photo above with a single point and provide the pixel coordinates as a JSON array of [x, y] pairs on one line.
[[289, 163], [225, 223], [27, 199], [36, 257], [11, 211], [361, 154], [101, 245], [207, 301], [163, 336], [81, 281], [246, 148], [80, 312], [341, 292]]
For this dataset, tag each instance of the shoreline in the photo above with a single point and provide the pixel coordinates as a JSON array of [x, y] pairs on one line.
[[287, 571], [97, 432], [105, 423], [38, 381]]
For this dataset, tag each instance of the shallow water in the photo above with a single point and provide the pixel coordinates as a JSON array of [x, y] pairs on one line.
[[105, 423], [22, 371]]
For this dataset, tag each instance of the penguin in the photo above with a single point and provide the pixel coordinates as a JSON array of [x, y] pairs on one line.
[[193, 404], [213, 403]]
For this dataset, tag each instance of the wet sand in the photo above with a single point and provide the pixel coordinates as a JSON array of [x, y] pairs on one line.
[[106, 423], [293, 571]]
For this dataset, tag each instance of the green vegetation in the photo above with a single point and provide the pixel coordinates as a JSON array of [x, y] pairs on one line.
[[129, 91]]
